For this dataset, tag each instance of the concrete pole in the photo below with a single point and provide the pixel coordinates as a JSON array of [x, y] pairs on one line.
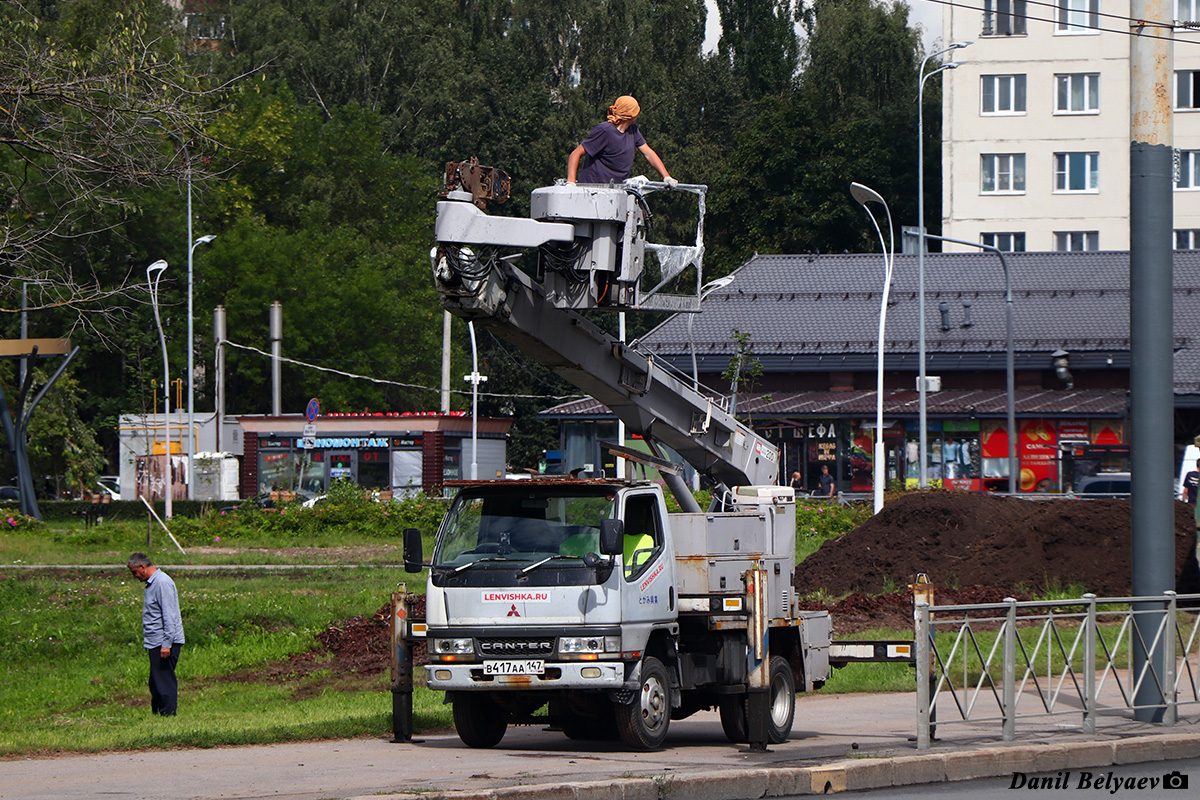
[[1151, 377], [446, 362], [219, 336], [276, 351]]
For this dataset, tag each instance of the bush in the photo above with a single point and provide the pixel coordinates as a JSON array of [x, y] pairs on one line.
[[347, 509]]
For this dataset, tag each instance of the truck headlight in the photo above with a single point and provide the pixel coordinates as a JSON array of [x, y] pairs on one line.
[[452, 649], [588, 645]]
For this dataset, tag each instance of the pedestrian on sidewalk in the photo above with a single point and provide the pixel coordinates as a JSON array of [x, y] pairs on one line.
[[162, 632]]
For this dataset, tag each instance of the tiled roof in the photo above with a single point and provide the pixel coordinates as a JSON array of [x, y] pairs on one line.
[[812, 312], [904, 403]]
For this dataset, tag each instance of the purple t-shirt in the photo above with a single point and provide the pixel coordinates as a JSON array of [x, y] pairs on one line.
[[609, 153]]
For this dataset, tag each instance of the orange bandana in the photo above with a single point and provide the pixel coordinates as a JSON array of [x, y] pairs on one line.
[[625, 108]]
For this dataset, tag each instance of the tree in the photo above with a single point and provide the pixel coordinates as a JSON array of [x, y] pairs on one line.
[[316, 215], [74, 93]]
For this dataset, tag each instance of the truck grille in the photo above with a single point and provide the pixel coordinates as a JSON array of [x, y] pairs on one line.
[[517, 647]]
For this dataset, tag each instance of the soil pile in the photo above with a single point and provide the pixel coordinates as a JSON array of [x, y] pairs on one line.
[[975, 549], [962, 539]]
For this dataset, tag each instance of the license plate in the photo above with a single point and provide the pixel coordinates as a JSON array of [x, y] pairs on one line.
[[525, 667]]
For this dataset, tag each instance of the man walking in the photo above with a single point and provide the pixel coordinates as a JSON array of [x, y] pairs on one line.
[[162, 632]]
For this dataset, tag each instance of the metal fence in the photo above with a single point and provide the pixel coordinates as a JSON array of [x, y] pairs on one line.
[[1001, 662]]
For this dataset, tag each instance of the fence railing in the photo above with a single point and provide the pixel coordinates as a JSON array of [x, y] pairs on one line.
[[1023, 660]]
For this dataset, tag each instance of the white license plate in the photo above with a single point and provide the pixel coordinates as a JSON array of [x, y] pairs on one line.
[[527, 667]]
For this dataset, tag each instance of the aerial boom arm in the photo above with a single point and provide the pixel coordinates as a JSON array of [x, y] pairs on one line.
[[651, 401]]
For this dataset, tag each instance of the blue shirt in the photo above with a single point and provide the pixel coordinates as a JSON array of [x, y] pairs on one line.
[[162, 624], [609, 153]]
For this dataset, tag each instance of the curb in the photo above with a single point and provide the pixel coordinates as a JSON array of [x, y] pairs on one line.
[[847, 774]]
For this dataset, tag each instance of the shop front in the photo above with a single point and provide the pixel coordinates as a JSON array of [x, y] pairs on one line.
[[401, 453]]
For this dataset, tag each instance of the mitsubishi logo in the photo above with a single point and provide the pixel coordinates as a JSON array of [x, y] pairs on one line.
[[512, 612]]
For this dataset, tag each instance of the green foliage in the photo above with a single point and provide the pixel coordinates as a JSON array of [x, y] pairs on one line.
[[347, 511], [13, 520], [817, 522]]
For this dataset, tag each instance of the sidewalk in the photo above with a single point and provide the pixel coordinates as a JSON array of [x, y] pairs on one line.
[[839, 742]]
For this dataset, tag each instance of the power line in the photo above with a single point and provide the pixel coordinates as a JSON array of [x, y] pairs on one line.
[[1054, 21], [385, 382]]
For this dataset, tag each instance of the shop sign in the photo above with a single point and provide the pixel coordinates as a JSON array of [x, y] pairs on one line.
[[350, 443]]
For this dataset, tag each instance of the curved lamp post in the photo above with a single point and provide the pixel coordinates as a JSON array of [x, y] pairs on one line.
[[191, 374], [705, 291], [866, 195], [922, 436], [154, 274], [1009, 369]]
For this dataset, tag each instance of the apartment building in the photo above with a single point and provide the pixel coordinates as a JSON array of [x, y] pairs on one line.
[[1036, 125]]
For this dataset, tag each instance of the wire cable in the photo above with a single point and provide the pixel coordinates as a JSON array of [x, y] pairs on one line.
[[385, 382], [1055, 21]]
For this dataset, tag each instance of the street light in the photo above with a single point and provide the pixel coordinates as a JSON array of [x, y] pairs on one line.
[[865, 195], [154, 274], [705, 291], [922, 406], [191, 369], [1009, 358], [191, 381]]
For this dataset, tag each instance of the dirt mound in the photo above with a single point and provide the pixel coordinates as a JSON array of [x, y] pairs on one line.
[[975, 549], [984, 540]]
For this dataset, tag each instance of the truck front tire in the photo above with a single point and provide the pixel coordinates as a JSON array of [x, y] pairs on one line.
[[643, 723], [781, 711], [479, 720]]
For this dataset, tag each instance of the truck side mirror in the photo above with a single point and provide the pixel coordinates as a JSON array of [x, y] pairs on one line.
[[611, 532], [412, 550]]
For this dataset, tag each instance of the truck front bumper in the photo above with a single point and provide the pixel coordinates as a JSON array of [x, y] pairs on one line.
[[557, 675]]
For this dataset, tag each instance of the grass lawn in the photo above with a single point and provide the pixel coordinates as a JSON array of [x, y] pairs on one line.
[[74, 674]]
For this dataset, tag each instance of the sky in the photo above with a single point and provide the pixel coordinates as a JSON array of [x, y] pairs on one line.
[[924, 12]]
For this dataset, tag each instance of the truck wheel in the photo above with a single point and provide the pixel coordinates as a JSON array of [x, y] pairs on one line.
[[782, 709], [480, 722], [643, 723]]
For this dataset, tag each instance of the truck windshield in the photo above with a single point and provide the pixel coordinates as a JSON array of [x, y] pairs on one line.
[[507, 526]]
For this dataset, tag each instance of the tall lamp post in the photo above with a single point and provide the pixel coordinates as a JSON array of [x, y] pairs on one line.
[[154, 274], [192, 244], [191, 372], [922, 436], [865, 195], [1009, 367], [705, 291]]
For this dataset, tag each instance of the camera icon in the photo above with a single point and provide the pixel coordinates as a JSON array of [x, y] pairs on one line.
[[1175, 780]]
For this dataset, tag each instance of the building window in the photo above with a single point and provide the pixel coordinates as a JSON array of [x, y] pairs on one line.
[[1076, 241], [1187, 90], [1186, 10], [1187, 239], [1002, 94], [1003, 17], [1076, 172], [1078, 16], [1003, 173], [1077, 93], [1189, 170], [1013, 242]]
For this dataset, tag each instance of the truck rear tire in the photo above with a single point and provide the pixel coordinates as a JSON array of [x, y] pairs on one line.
[[643, 723], [479, 720], [781, 712]]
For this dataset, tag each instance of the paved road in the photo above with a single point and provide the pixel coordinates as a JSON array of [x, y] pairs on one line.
[[859, 741]]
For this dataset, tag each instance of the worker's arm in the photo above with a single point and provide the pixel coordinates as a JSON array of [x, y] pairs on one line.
[[655, 161], [573, 163]]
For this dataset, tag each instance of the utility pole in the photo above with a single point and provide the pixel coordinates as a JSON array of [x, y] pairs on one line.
[[1151, 375], [276, 352]]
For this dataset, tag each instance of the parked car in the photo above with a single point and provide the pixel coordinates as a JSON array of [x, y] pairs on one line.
[[1104, 483], [10, 493], [110, 485]]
